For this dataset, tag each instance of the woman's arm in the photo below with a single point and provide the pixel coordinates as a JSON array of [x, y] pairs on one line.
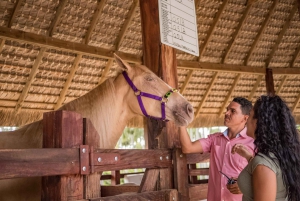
[[264, 184]]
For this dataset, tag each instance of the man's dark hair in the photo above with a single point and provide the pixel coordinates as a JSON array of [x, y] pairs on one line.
[[246, 105]]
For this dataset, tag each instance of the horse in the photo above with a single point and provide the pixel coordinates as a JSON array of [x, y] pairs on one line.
[[134, 91]]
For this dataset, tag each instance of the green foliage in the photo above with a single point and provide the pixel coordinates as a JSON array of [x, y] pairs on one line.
[[132, 138]]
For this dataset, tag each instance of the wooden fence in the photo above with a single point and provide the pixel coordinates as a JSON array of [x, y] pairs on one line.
[[71, 165]]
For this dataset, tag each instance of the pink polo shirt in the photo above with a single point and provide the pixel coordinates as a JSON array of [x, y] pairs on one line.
[[221, 159]]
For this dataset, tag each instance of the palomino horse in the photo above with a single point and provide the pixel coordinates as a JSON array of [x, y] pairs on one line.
[[135, 91]]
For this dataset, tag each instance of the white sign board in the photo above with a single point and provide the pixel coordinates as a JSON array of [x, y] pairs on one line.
[[178, 25]]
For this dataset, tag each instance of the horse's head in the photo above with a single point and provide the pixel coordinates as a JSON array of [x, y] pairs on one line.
[[150, 96]]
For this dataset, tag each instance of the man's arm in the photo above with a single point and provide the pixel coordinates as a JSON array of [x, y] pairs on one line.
[[186, 144]]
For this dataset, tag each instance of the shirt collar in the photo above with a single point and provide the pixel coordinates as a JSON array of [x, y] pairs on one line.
[[242, 133]]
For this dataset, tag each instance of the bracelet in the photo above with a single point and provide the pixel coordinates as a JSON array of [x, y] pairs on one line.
[[250, 159]]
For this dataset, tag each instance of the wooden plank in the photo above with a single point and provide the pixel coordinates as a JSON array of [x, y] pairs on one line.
[[186, 82], [149, 180], [295, 56], [236, 80], [117, 190], [95, 19], [15, 12], [163, 195], [256, 85], [58, 44], [143, 158], [198, 191], [204, 66], [296, 104], [59, 11], [116, 176], [91, 182], [166, 180], [212, 28], [68, 82], [282, 83], [192, 178], [197, 158], [260, 33], [281, 34], [30, 79], [212, 82], [62, 129], [2, 42], [236, 32], [16, 163], [199, 171], [269, 82], [180, 174], [106, 71], [127, 22]]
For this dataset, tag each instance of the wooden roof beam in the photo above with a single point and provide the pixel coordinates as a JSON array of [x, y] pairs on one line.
[[106, 71], [203, 66], [2, 42], [259, 34], [186, 82], [127, 22], [95, 19], [296, 104], [280, 36], [62, 4], [282, 83], [77, 48], [295, 56], [214, 78], [31, 77], [256, 85], [68, 83], [236, 32], [237, 78], [14, 14], [212, 28]]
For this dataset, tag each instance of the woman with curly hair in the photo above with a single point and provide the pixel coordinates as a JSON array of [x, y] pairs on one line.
[[274, 172]]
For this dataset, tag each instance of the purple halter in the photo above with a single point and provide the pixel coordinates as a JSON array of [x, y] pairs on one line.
[[139, 95]]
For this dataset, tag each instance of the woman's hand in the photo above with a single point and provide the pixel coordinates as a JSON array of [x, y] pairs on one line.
[[242, 151]]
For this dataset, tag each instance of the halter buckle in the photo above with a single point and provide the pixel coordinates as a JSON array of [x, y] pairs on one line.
[[137, 93], [164, 100]]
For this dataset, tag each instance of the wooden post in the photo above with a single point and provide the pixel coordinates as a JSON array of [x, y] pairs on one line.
[[269, 82], [91, 182], [62, 129], [161, 59]]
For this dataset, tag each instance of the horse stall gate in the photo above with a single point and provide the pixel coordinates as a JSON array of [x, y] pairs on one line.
[[71, 166]]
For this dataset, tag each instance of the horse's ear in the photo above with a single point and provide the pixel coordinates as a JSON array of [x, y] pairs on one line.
[[123, 64]]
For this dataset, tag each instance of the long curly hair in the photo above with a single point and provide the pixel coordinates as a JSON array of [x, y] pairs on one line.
[[276, 133]]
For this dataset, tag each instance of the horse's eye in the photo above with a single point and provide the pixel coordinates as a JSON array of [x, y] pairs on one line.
[[149, 78]]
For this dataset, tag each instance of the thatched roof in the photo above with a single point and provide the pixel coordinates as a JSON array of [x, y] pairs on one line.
[[52, 52]]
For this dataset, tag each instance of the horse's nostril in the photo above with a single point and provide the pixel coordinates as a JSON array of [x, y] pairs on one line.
[[190, 109]]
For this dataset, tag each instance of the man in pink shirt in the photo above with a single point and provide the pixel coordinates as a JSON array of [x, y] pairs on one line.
[[219, 145]]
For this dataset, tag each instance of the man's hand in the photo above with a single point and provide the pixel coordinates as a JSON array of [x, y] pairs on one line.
[[234, 188]]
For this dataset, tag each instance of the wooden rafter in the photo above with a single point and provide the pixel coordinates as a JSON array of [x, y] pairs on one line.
[[212, 28], [59, 11], [237, 78], [106, 71], [77, 48], [203, 66], [259, 34], [206, 94], [296, 104], [282, 83], [280, 36], [68, 82], [236, 32], [256, 85], [196, 4], [2, 42], [127, 22], [16, 10], [95, 19], [31, 77], [186, 82], [295, 56]]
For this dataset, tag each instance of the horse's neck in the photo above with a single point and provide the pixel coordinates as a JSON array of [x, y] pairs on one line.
[[106, 110]]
